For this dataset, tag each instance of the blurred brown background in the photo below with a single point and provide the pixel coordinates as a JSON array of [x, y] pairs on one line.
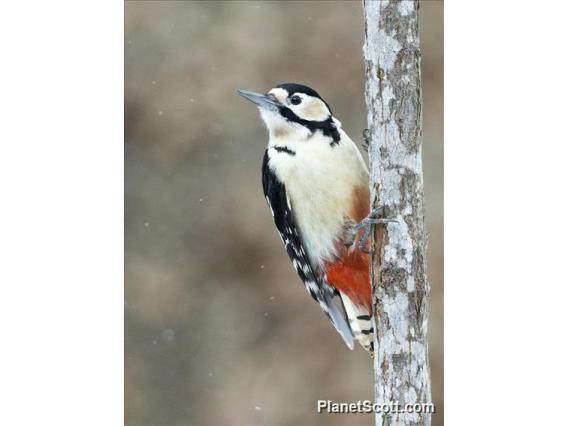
[[219, 329]]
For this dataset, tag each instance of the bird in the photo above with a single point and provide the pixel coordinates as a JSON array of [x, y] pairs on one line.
[[316, 184]]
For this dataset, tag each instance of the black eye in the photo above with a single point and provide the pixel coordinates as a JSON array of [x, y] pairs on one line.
[[295, 100]]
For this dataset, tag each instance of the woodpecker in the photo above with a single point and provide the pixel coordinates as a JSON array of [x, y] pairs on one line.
[[316, 184]]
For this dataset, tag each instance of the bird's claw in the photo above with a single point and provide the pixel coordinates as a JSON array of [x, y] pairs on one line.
[[366, 224]]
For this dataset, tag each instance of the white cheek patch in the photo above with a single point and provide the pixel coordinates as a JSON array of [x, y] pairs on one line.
[[310, 109], [313, 109]]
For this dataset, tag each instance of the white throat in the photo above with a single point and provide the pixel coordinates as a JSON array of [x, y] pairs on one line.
[[281, 130]]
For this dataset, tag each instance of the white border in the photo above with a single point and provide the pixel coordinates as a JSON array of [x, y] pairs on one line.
[[505, 209], [61, 177]]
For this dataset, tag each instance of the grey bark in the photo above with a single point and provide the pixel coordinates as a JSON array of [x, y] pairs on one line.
[[398, 271]]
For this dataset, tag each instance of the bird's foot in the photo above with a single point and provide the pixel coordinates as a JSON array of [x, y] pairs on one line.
[[374, 218]]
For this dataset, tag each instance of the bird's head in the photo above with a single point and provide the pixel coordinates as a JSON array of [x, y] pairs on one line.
[[290, 108]]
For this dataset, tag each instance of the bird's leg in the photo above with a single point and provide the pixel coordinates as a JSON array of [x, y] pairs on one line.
[[366, 224], [366, 139]]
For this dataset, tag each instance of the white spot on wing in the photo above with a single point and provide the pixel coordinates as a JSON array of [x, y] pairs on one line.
[[270, 206]]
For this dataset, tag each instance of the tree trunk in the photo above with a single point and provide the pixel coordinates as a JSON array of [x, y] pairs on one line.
[[400, 288]]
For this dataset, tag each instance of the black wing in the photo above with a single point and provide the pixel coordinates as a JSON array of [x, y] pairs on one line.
[[280, 206]]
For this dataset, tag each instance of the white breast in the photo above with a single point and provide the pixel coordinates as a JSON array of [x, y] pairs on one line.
[[319, 180]]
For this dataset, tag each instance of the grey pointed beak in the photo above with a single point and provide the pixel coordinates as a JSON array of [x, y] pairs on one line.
[[261, 100]]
